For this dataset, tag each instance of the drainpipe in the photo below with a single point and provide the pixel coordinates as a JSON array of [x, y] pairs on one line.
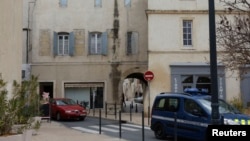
[[28, 32]]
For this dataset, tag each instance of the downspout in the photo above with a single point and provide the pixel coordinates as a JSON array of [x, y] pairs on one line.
[[28, 32]]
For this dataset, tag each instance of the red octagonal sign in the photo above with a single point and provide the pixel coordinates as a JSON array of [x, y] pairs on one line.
[[148, 75]]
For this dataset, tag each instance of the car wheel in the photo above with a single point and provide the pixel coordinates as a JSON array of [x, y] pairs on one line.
[[58, 116], [82, 118], [159, 131]]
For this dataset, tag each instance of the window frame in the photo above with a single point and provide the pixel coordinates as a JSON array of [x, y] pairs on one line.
[[97, 39], [168, 104], [71, 44], [172, 104], [132, 43], [63, 3], [63, 49], [98, 3], [187, 33], [127, 3], [102, 40], [196, 106], [195, 83]]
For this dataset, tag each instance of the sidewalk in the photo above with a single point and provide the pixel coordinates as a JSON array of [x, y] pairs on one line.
[[55, 131]]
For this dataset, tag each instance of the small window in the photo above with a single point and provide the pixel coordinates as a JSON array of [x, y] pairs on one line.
[[98, 3], [98, 43], [160, 104], [132, 43], [63, 3], [191, 107], [63, 44], [95, 43], [23, 73], [187, 33], [172, 104], [127, 3]]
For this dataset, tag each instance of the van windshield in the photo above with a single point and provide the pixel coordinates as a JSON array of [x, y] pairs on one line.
[[224, 107]]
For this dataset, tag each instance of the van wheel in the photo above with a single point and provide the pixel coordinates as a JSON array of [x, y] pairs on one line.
[[159, 131]]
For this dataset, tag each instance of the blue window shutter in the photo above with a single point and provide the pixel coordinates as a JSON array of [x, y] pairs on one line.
[[89, 43], [134, 42], [71, 44], [64, 3], [55, 46], [104, 43]]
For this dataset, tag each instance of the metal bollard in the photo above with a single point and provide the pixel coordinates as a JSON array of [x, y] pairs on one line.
[[142, 125], [148, 115], [100, 121], [120, 125], [175, 126], [106, 111], [130, 111], [115, 111], [136, 108]]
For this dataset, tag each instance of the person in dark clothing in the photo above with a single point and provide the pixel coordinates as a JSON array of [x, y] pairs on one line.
[[123, 99]]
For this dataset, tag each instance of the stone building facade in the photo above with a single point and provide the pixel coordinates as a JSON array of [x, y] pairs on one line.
[[11, 41], [179, 50], [84, 49]]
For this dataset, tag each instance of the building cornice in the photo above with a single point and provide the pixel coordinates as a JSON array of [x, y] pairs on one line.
[[148, 12]]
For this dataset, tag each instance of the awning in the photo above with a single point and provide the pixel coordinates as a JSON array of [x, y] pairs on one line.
[[83, 85]]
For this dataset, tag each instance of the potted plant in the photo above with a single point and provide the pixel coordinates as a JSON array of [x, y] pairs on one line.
[[17, 113]]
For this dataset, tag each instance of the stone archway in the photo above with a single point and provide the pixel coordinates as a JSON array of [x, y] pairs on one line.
[[133, 86]]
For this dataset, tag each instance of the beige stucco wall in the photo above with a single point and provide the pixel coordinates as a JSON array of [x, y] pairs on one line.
[[84, 17], [165, 43], [11, 41], [182, 4]]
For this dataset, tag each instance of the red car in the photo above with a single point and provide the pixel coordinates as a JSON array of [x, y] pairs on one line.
[[65, 108]]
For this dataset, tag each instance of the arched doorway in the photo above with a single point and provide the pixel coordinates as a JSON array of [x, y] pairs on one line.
[[133, 92]]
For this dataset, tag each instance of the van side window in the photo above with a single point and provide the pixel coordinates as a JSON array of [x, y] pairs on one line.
[[160, 104], [167, 104], [172, 104], [193, 108]]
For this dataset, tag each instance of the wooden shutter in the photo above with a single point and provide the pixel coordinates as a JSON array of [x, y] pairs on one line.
[[104, 43], [55, 44], [134, 42], [89, 42], [71, 44]]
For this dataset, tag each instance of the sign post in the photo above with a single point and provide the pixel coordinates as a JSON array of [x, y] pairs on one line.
[[148, 76]]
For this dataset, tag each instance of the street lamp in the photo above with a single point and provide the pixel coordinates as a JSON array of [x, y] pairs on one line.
[[213, 65]]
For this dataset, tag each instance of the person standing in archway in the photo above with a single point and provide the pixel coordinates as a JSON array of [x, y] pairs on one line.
[[123, 100]]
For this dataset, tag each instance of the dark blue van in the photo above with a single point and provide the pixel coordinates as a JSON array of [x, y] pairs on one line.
[[188, 115]]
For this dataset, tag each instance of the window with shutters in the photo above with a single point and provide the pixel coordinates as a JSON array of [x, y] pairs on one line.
[[132, 43], [98, 43], [63, 44]]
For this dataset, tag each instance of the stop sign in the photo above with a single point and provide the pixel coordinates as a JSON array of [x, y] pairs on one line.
[[148, 75]]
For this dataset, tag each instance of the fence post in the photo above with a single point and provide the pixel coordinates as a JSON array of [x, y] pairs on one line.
[[148, 115], [115, 110], [136, 108], [130, 111], [120, 125], [175, 126], [100, 121], [142, 125], [106, 106]]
